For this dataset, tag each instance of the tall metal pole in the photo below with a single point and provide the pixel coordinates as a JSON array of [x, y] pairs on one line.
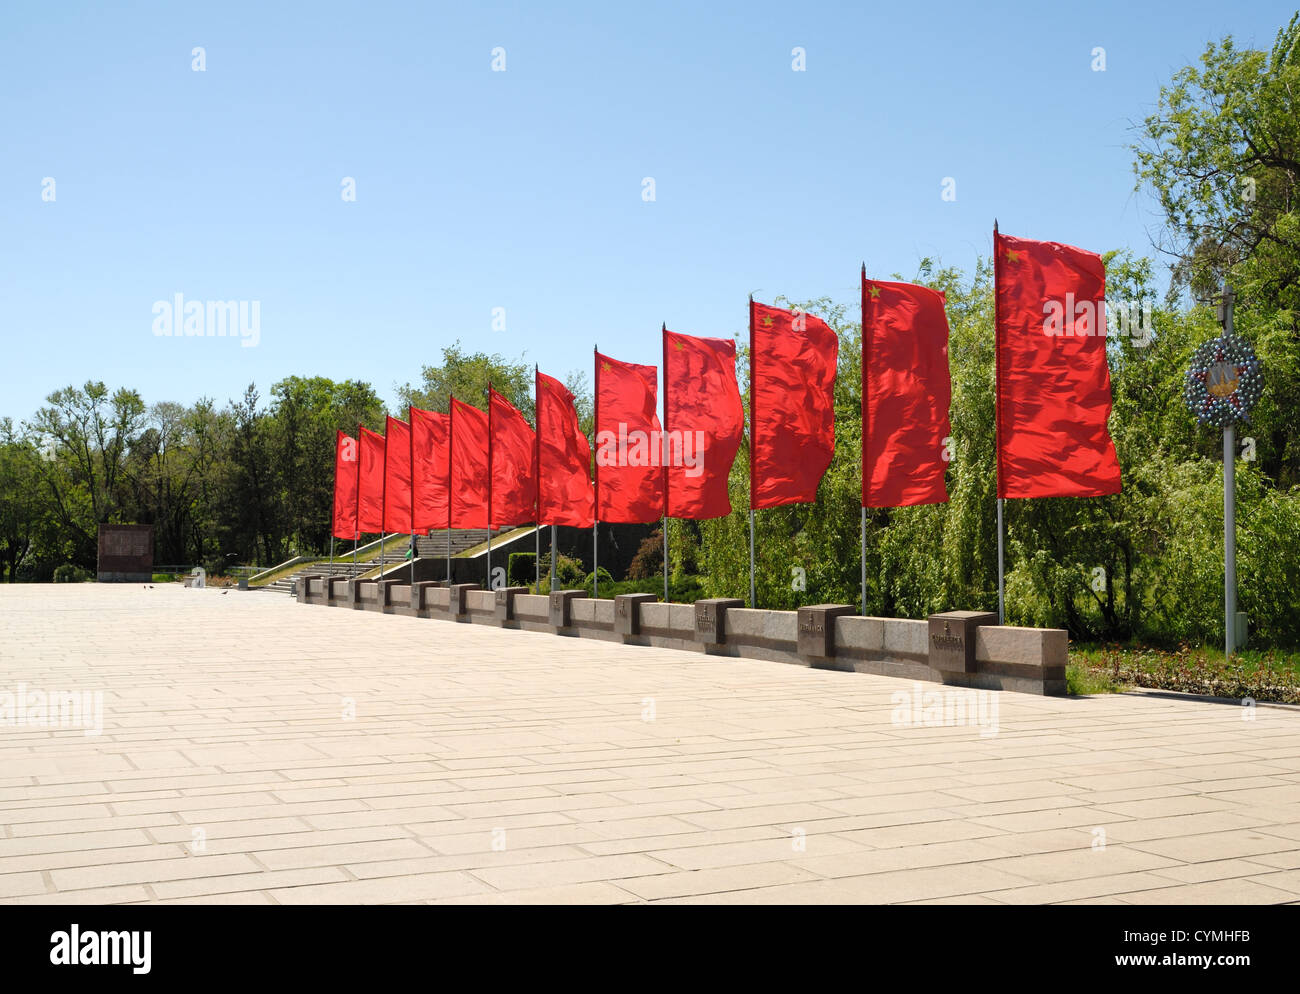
[[864, 561], [489, 500], [1229, 510], [866, 361], [663, 442], [665, 558], [753, 601], [595, 473], [553, 527], [537, 485], [997, 399], [1002, 608], [1229, 543], [753, 362]]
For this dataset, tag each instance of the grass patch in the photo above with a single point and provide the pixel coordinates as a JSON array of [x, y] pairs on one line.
[[1261, 674]]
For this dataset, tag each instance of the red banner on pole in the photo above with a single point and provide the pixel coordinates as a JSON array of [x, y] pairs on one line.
[[514, 470], [564, 492], [1053, 383], [629, 477], [906, 390], [469, 466], [344, 523], [792, 405], [704, 422], [370, 482]]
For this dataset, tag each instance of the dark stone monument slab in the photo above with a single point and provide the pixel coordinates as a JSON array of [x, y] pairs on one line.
[[627, 612], [303, 587], [952, 639], [125, 554], [418, 594], [711, 619], [456, 599], [561, 612], [816, 628], [505, 602]]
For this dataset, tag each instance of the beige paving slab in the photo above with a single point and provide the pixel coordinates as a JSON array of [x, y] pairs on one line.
[[492, 766]]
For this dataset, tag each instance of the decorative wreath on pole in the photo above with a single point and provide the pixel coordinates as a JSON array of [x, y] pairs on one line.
[[1224, 382]]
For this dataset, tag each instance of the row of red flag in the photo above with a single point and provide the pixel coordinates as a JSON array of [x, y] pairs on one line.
[[470, 469]]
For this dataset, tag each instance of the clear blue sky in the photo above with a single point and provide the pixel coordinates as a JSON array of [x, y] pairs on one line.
[[523, 189]]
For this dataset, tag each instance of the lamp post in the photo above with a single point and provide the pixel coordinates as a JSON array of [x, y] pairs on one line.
[[1223, 383]]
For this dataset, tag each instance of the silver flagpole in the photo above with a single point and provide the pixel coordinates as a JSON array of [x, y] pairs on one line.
[[1002, 610], [331, 550], [753, 602], [537, 557], [553, 527], [449, 552], [864, 561], [997, 399], [665, 559], [489, 561], [595, 568]]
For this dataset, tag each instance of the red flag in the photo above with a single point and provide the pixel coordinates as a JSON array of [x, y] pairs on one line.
[[629, 480], [1053, 382], [704, 422], [397, 476], [564, 493], [428, 470], [792, 405], [370, 482], [514, 467], [344, 523], [470, 485], [906, 389]]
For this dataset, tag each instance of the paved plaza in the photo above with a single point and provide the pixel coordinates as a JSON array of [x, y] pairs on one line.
[[254, 750]]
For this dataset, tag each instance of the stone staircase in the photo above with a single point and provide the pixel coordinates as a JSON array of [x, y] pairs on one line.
[[434, 545]]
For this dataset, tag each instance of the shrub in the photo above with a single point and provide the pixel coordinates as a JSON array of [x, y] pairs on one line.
[[521, 568], [649, 559], [68, 573]]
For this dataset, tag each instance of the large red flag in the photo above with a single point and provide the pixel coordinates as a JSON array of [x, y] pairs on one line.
[[1053, 382], [344, 523], [514, 463], [629, 480], [469, 466], [429, 468], [370, 482], [792, 361], [906, 389], [704, 422], [397, 476], [564, 494]]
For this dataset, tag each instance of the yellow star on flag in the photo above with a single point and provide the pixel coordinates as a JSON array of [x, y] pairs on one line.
[[767, 322], [1013, 255], [875, 291], [606, 367]]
